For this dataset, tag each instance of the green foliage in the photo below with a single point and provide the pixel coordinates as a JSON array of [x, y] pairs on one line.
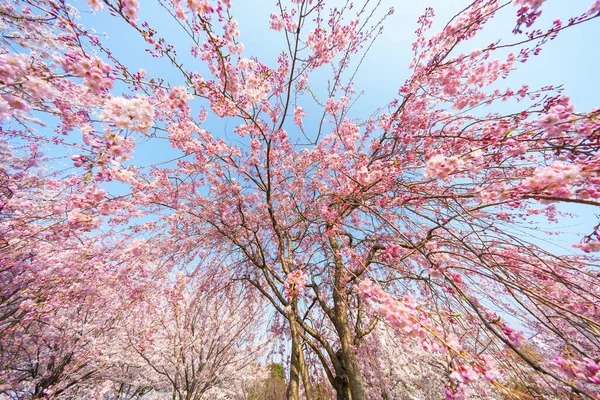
[[277, 370]]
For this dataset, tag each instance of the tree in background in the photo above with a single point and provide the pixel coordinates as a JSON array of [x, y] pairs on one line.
[[410, 216], [195, 337]]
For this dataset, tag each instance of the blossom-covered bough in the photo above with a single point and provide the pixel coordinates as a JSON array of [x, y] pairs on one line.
[[367, 235]]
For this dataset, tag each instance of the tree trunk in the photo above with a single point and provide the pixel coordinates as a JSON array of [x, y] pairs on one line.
[[348, 383], [293, 389], [342, 389], [305, 377], [353, 374], [347, 354]]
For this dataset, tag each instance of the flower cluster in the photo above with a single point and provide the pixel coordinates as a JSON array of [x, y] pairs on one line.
[[96, 5], [392, 251], [95, 72], [557, 179], [516, 338], [482, 369], [17, 78], [135, 114], [12, 66], [222, 106], [366, 176], [531, 4], [349, 133], [79, 160], [441, 167], [285, 21], [114, 150], [332, 107], [256, 84], [464, 374], [276, 22], [299, 113], [594, 8], [118, 149], [295, 283], [38, 88], [401, 314], [178, 98], [79, 220], [130, 9], [591, 246], [201, 7], [326, 46], [528, 12], [256, 88], [555, 121], [584, 369], [10, 104]]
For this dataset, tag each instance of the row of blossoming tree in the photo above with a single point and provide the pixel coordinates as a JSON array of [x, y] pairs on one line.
[[378, 256]]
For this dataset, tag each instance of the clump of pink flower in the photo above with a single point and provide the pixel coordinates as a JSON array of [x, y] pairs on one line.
[[516, 338], [256, 84], [299, 113], [594, 8], [201, 7], [442, 167], [130, 9], [556, 120], [580, 368], [12, 66], [39, 89], [136, 114], [118, 148], [531, 4], [401, 314], [557, 179], [590, 246], [276, 22], [529, 11], [10, 104], [349, 133], [96, 5], [325, 46], [366, 176], [464, 374], [95, 72], [178, 98], [80, 220], [295, 283]]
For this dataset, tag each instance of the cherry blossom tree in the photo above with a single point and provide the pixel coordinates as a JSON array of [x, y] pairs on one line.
[[197, 337], [35, 355], [411, 215]]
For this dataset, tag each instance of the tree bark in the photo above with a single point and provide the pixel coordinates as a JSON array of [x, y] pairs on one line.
[[305, 377], [293, 389], [347, 353], [298, 368]]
